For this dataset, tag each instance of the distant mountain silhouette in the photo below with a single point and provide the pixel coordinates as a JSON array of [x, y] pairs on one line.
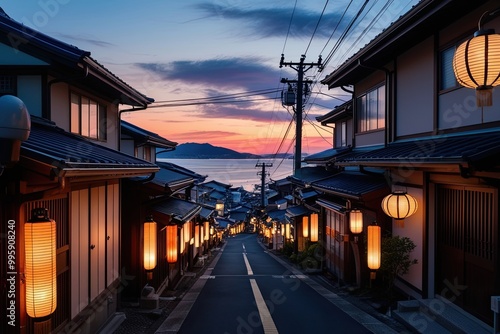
[[205, 151]]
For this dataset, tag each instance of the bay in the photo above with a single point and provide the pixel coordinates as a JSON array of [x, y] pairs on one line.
[[237, 172]]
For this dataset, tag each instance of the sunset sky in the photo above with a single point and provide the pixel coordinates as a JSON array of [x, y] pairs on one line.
[[213, 66]]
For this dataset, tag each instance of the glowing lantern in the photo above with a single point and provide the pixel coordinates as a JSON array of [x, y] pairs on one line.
[[287, 231], [150, 244], [476, 64], [171, 243], [207, 233], [305, 226], [197, 236], [314, 227], [399, 205], [356, 221], [374, 246], [219, 207], [40, 268]]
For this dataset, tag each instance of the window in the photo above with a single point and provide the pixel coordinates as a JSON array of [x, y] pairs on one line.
[[7, 85], [371, 110], [343, 134], [88, 118], [447, 76]]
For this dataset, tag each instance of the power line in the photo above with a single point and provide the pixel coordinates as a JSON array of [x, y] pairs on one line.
[[316, 28]]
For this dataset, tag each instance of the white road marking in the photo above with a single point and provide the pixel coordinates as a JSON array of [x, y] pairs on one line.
[[265, 316], [247, 264]]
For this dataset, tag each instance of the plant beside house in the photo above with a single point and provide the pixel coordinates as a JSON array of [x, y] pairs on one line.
[[396, 261]]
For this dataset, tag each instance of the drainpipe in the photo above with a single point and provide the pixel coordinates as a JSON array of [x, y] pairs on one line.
[[120, 122]]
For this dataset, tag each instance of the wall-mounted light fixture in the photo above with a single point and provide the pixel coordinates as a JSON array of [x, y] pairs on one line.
[[40, 267], [399, 205], [150, 240], [219, 207], [476, 63]]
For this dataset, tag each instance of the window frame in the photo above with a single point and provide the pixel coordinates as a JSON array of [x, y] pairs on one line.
[[370, 103], [88, 117]]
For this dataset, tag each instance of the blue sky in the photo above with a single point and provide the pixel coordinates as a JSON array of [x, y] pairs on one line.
[[176, 50]]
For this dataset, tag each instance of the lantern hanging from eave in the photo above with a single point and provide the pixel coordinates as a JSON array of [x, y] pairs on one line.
[[287, 231], [374, 246], [40, 267], [314, 227], [356, 221], [476, 64], [171, 243], [399, 205], [150, 237], [305, 226]]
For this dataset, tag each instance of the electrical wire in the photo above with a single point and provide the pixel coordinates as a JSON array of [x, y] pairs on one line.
[[289, 26], [316, 28]]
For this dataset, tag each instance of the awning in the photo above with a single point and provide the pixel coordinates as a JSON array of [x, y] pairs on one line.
[[353, 185], [298, 210], [481, 149], [331, 205], [177, 208], [51, 150]]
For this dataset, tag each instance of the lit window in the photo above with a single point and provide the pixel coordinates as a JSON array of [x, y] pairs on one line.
[[88, 118], [371, 110]]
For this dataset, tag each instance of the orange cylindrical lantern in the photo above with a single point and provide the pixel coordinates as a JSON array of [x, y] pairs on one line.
[[305, 226], [314, 227], [356, 221], [197, 236], [171, 243], [40, 267], [287, 231], [150, 238], [374, 246], [206, 233]]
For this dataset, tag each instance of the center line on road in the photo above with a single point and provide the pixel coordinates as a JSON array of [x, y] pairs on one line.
[[247, 264], [265, 316]]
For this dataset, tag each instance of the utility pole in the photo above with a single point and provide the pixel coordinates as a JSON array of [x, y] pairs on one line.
[[263, 181], [301, 68]]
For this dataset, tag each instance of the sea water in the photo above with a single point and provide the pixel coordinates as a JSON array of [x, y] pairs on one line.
[[237, 172]]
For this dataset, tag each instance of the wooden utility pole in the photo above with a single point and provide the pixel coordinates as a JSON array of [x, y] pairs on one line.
[[301, 68], [263, 174]]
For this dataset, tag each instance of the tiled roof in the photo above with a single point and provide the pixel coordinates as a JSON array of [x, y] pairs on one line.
[[298, 210], [72, 155], [352, 184], [445, 149], [143, 136], [69, 60], [328, 155], [173, 177], [177, 208]]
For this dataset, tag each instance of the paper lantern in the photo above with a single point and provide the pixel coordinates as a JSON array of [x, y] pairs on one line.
[[305, 226], [150, 237], [287, 231], [206, 234], [40, 267], [356, 221], [374, 247], [171, 243], [197, 236], [476, 64], [314, 227], [399, 205]]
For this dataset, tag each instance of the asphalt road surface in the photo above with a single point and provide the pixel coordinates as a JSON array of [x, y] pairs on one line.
[[250, 291]]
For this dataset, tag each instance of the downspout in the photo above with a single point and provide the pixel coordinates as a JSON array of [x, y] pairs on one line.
[[144, 107]]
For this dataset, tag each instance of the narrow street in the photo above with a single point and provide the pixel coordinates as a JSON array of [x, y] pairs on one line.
[[246, 289]]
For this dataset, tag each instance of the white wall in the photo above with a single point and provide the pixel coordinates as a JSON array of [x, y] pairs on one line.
[[415, 90], [29, 90]]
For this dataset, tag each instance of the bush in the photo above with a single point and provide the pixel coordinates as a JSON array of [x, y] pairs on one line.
[[396, 260]]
